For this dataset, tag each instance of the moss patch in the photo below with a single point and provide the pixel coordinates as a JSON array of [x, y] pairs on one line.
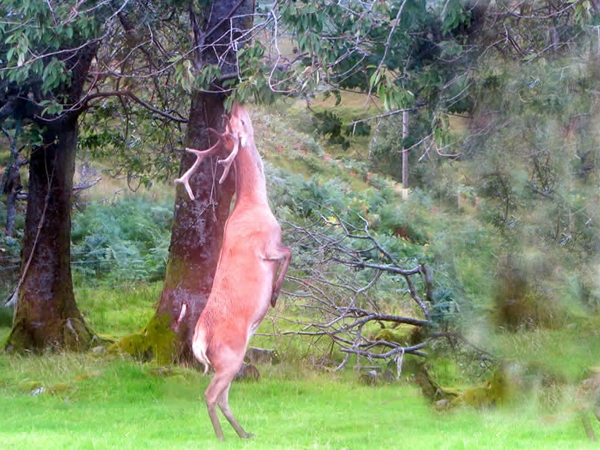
[[6, 316], [157, 341], [496, 391], [402, 334]]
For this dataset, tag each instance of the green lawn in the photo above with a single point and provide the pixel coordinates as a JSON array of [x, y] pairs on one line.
[[73, 401], [110, 403]]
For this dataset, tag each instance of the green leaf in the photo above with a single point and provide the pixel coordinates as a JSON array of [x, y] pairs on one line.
[[374, 79]]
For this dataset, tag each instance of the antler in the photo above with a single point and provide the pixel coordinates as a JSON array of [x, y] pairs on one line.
[[201, 154], [227, 162]]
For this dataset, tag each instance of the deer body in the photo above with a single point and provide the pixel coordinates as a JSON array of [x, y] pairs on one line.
[[249, 274]]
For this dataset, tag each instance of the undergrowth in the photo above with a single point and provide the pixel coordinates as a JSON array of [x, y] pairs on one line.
[[122, 241]]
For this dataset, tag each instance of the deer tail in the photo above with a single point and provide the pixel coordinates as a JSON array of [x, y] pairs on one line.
[[199, 349]]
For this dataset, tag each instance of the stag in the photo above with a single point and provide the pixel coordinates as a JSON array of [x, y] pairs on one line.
[[250, 271]]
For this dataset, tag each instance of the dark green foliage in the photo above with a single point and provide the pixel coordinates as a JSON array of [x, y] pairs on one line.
[[46, 77], [445, 308], [125, 240], [329, 125], [332, 126], [9, 246], [6, 316], [385, 154], [404, 221]]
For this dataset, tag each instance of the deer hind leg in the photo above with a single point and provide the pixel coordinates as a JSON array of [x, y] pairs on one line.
[[283, 255], [223, 403], [211, 395], [217, 393]]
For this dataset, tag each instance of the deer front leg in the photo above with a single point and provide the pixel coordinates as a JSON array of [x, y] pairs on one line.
[[283, 255]]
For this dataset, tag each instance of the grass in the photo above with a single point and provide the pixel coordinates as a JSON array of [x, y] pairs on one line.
[[114, 403], [565, 354], [118, 311], [59, 401]]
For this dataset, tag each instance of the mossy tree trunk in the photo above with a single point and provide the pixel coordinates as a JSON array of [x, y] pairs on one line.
[[197, 231], [46, 315], [198, 224]]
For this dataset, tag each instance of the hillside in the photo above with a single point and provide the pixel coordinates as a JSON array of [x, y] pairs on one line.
[[120, 245]]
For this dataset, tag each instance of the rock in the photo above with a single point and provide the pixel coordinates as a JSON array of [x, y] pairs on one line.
[[38, 391], [247, 372], [370, 378], [99, 350], [442, 405], [388, 376], [255, 355]]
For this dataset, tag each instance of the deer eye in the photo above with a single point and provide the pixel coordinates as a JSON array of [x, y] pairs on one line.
[[243, 123]]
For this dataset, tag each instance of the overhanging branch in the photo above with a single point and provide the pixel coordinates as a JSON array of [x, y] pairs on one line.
[[88, 98]]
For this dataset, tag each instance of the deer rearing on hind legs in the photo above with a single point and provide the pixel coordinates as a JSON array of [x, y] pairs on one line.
[[250, 271]]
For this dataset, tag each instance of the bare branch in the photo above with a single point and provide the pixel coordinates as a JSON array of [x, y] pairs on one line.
[[85, 100], [339, 303]]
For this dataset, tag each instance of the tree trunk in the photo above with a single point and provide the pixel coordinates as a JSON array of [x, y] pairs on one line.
[[197, 231], [404, 153], [198, 224], [47, 315]]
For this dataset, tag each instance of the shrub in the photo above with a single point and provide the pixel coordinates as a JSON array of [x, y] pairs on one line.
[[521, 301]]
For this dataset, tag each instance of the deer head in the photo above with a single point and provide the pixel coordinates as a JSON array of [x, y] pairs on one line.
[[241, 125]]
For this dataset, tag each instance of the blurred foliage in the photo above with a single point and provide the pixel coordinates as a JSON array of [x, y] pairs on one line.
[[533, 159]]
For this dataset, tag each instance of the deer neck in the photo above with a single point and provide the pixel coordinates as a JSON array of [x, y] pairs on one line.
[[250, 178]]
